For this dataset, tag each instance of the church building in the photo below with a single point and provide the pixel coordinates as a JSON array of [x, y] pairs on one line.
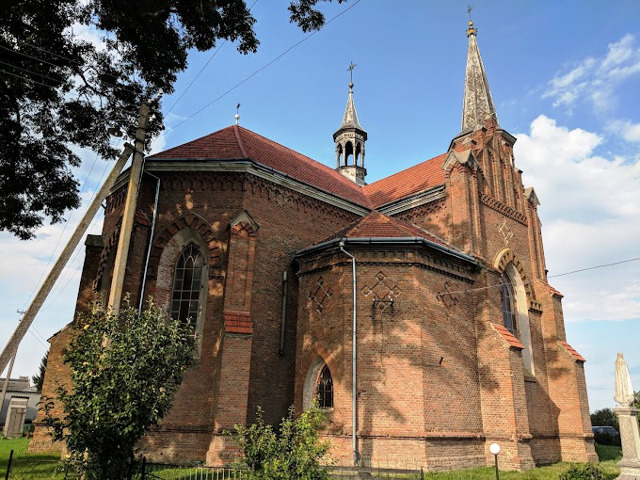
[[415, 310]]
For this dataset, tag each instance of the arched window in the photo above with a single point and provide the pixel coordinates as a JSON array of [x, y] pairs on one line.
[[509, 307], [348, 153], [187, 280], [325, 388]]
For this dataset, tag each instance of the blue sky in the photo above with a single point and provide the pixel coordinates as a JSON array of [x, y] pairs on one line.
[[565, 79]]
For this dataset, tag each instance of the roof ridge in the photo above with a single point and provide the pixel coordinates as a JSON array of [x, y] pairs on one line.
[[236, 131]]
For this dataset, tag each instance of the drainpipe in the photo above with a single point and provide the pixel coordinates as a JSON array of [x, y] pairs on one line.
[[283, 317], [354, 403], [153, 228]]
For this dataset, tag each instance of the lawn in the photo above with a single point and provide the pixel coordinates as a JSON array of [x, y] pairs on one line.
[[43, 466]]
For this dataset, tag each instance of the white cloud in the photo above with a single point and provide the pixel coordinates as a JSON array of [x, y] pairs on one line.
[[596, 78], [626, 129], [591, 216]]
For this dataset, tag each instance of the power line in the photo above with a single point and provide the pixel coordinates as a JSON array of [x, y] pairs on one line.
[[596, 266], [120, 87], [27, 79], [304, 39], [202, 69]]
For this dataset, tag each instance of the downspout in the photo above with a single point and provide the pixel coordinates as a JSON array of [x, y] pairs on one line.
[[283, 318], [150, 243], [354, 403]]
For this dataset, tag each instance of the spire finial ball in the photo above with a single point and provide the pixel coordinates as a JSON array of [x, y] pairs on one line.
[[350, 84]]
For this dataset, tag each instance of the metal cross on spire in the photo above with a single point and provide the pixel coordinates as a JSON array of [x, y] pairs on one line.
[[350, 70], [469, 8]]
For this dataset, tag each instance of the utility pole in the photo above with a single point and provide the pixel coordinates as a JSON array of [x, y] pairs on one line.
[[56, 270], [120, 264], [5, 385]]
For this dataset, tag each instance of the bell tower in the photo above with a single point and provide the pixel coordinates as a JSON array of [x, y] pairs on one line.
[[349, 140]]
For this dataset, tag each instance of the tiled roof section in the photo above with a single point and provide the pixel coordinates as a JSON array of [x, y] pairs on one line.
[[378, 225], [235, 142], [555, 292], [220, 145], [508, 336], [574, 353], [413, 180], [238, 322]]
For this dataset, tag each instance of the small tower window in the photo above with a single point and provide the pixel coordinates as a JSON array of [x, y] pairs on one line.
[[509, 310], [187, 280], [325, 388], [348, 152]]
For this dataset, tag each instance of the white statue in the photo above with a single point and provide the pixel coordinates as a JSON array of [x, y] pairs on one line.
[[624, 389]]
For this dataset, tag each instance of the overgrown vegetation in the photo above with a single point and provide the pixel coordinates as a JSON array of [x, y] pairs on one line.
[[292, 451], [125, 370]]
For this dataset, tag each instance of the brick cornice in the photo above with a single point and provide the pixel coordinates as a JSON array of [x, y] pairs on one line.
[[503, 209]]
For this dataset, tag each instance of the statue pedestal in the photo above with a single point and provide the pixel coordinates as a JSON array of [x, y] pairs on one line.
[[630, 436]]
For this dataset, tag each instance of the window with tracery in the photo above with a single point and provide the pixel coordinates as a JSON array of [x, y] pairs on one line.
[[187, 280], [325, 388], [509, 310]]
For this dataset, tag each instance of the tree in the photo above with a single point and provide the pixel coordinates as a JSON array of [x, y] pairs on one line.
[[38, 378], [605, 417], [59, 91], [125, 370], [292, 452]]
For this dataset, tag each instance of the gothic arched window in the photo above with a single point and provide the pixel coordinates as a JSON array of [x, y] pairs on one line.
[[325, 388], [509, 308], [187, 281]]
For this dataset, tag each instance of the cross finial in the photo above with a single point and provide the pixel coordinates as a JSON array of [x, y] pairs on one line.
[[350, 70], [469, 8], [237, 116]]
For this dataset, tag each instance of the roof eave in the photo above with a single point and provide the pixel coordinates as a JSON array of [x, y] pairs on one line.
[[386, 241]]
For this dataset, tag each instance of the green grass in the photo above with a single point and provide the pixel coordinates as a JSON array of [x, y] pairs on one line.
[[608, 452], [28, 465], [43, 466]]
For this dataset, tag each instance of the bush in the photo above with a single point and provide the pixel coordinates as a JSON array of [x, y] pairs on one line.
[[292, 452], [607, 439], [589, 471]]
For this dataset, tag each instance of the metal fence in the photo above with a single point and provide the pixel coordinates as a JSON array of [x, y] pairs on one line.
[[30, 468]]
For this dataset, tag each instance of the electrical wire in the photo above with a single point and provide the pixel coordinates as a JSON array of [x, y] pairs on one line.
[[304, 39], [27, 79], [202, 69]]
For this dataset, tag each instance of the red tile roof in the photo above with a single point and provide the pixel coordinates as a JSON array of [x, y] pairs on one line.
[[574, 353], [508, 336], [378, 225], [555, 292], [235, 143], [413, 180]]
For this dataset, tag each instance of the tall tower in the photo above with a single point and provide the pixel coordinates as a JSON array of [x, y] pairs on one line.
[[477, 104], [349, 140]]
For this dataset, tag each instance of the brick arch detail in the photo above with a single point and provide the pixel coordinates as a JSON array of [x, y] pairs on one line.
[[319, 352], [506, 256], [199, 225]]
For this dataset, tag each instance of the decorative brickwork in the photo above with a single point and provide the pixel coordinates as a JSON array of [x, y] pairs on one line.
[[439, 375]]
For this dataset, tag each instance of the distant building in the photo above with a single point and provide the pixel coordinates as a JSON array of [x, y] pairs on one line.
[[460, 337], [20, 388]]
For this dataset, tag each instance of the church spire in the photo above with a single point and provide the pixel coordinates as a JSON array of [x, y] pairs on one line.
[[349, 140], [477, 104]]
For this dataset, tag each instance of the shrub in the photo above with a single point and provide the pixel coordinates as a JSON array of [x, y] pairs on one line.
[[589, 471], [607, 439], [292, 452]]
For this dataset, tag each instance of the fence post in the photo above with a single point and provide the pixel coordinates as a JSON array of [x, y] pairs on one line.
[[421, 473], [66, 470], [144, 467], [6, 477]]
